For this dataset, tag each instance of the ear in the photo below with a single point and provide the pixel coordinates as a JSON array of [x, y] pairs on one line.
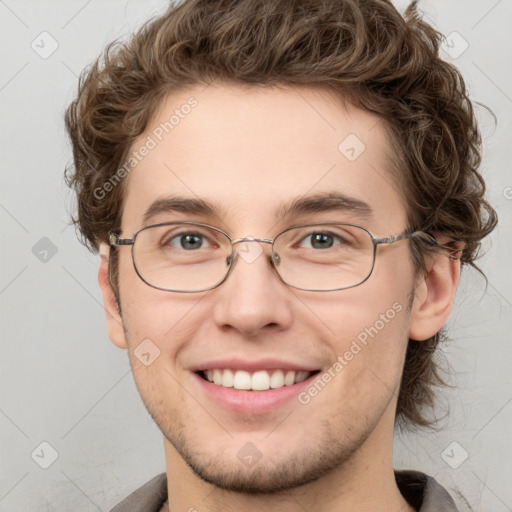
[[434, 293], [114, 320]]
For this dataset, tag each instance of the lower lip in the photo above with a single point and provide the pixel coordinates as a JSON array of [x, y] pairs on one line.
[[252, 402]]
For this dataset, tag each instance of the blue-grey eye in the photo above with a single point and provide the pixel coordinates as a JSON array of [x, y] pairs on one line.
[[320, 240], [187, 241]]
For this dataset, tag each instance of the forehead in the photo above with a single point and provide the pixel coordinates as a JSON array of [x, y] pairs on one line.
[[251, 153]]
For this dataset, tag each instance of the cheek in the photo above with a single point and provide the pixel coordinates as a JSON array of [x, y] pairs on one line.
[[376, 307], [155, 321], [368, 324], [158, 326], [167, 320], [370, 334], [368, 362]]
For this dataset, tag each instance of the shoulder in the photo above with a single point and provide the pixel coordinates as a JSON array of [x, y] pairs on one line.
[[423, 492], [148, 498]]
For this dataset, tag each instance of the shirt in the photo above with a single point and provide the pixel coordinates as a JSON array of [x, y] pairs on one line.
[[421, 491]]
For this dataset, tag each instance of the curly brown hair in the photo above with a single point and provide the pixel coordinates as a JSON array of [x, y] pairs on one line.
[[362, 50]]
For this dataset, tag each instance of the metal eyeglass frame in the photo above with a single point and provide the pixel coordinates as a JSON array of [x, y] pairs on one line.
[[116, 241]]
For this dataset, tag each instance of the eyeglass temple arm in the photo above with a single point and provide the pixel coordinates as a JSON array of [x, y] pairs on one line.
[[426, 237], [115, 241]]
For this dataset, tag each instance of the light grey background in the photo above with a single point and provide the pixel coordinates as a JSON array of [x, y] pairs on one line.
[[64, 383]]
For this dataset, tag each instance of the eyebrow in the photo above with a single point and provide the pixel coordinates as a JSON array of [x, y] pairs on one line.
[[193, 206], [326, 202], [318, 203]]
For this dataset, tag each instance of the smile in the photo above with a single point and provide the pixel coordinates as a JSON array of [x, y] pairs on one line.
[[260, 380]]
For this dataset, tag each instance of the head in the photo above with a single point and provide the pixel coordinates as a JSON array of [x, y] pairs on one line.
[[245, 105]]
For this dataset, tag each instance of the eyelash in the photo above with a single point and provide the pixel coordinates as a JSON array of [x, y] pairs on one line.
[[167, 240]]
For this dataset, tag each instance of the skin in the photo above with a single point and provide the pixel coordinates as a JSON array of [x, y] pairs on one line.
[[249, 149]]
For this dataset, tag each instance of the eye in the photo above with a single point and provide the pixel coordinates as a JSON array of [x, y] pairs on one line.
[[321, 240], [188, 241]]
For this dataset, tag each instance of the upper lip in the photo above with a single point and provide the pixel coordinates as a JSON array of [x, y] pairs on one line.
[[252, 365]]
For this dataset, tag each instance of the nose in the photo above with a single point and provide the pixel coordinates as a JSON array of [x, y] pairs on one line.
[[253, 297]]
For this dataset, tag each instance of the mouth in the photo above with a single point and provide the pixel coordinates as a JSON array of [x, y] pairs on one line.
[[253, 387], [259, 380]]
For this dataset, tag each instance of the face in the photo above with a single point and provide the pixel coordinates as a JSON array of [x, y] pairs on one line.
[[249, 153]]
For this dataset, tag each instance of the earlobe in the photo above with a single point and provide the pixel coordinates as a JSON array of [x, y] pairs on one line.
[[114, 319], [434, 295]]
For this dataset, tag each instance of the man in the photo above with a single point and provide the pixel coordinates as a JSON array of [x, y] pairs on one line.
[[282, 193]]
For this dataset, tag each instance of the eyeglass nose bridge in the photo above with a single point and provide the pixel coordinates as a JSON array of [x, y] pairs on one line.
[[251, 239], [236, 243]]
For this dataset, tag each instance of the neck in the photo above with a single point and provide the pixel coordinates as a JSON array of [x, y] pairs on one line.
[[365, 483]]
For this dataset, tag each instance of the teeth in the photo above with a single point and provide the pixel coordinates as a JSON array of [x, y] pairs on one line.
[[277, 379], [227, 379], [242, 380], [217, 377], [289, 378], [302, 375], [260, 380]]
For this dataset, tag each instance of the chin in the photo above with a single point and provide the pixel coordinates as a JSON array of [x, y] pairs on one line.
[[264, 473]]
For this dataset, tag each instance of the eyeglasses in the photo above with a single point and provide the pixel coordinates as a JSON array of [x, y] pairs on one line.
[[194, 257]]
